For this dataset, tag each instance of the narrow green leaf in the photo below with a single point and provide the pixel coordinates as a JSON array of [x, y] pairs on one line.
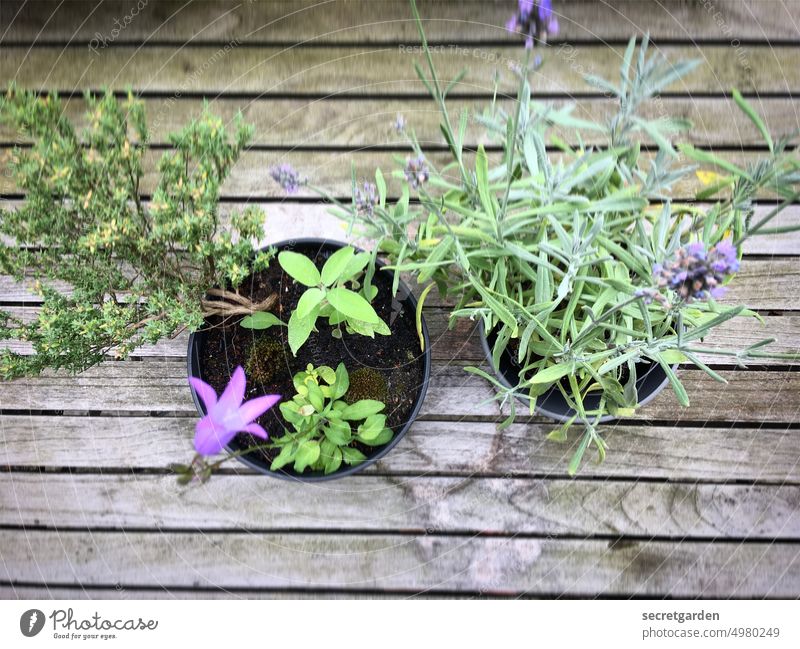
[[754, 117]]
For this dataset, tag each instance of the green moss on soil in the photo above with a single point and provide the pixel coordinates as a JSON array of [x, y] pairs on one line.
[[366, 383]]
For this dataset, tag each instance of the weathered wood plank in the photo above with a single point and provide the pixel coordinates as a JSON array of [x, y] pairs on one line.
[[375, 70], [292, 21], [705, 452], [418, 505], [289, 219], [135, 387], [407, 563], [462, 342], [45, 592], [767, 284], [249, 178], [356, 123]]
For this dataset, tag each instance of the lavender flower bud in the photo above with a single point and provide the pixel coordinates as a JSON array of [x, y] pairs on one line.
[[366, 199], [400, 123], [416, 172], [697, 274], [287, 177], [535, 20]]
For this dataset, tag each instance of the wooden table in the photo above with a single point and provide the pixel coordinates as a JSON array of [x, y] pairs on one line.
[[695, 502]]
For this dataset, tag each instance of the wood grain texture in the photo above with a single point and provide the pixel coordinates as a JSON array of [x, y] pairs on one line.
[[288, 219], [416, 505], [355, 123], [402, 563], [249, 179], [767, 284], [299, 21], [376, 70], [709, 452], [463, 342], [52, 592], [160, 386]]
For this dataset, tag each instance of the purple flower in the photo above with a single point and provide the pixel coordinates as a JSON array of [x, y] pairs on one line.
[[400, 123], [287, 177], [696, 273], [366, 199], [535, 20], [227, 415], [416, 171]]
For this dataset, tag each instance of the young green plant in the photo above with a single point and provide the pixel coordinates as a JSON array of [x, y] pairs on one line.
[[325, 425], [327, 295]]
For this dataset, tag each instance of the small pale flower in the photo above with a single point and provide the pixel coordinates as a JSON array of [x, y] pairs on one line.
[[416, 172], [287, 177], [227, 415], [400, 123], [366, 199]]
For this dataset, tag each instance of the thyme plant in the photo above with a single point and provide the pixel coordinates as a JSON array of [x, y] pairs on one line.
[[135, 271], [576, 259]]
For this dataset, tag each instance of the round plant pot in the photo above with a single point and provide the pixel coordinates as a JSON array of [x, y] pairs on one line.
[[203, 349], [651, 379]]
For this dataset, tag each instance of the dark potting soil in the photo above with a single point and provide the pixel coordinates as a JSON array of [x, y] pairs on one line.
[[397, 357]]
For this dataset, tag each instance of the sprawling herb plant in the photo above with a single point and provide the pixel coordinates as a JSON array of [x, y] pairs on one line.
[[136, 271], [324, 421], [578, 262]]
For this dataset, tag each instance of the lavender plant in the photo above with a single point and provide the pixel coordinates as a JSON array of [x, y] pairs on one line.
[[580, 265], [136, 271]]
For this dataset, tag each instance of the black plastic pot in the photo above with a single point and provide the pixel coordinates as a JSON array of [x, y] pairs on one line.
[[651, 379], [404, 296]]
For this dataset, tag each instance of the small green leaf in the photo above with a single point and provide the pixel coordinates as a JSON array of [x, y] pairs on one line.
[[327, 374], [307, 410], [362, 409], [333, 461], [380, 183], [355, 266], [342, 384], [748, 110], [283, 458], [553, 373], [300, 329], [352, 456], [308, 300], [307, 454], [352, 305], [315, 396], [384, 437], [261, 320], [482, 177], [372, 427], [336, 265], [338, 432], [299, 267]]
